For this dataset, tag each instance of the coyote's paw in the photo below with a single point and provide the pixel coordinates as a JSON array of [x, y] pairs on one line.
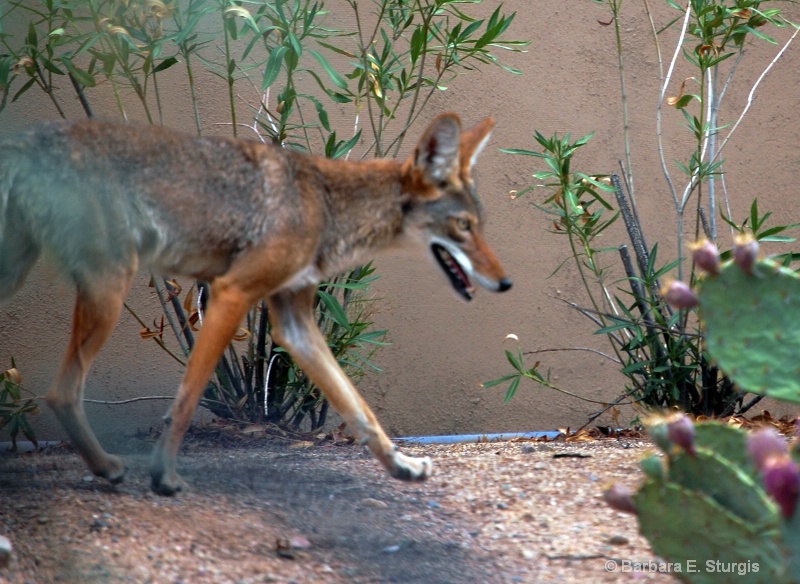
[[408, 468], [164, 479], [166, 484], [113, 469]]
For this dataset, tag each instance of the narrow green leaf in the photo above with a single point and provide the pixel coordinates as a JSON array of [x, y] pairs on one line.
[[335, 309], [80, 75], [335, 76], [23, 89], [165, 64], [499, 380], [418, 38], [273, 68], [512, 390], [295, 42]]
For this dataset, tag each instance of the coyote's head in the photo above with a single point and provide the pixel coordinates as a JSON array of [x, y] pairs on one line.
[[443, 209]]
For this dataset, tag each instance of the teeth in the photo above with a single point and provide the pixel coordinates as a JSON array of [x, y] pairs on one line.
[[450, 264]]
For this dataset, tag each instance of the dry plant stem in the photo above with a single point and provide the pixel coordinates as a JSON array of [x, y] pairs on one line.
[[616, 402], [87, 108], [565, 349], [183, 321], [751, 96], [162, 298], [129, 401], [720, 99], [158, 341], [659, 132], [615, 8], [644, 310], [665, 81], [713, 117], [632, 226]]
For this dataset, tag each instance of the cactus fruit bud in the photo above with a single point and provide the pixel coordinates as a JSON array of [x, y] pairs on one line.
[[765, 443], [680, 430], [745, 252], [706, 256], [674, 430], [679, 295], [781, 477], [620, 498]]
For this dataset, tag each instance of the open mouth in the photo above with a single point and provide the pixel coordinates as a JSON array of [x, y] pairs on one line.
[[455, 273]]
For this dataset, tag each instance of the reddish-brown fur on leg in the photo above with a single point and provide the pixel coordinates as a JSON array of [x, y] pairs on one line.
[[96, 313], [294, 327]]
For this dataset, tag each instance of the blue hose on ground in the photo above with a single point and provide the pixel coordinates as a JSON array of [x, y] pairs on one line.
[[474, 438]]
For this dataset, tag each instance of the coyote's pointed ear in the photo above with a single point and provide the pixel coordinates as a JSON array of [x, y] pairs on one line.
[[473, 142], [437, 154]]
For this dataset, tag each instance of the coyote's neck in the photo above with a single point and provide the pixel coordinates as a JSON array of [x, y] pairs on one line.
[[365, 200]]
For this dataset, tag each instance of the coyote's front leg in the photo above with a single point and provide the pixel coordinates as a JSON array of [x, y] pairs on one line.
[[294, 327]]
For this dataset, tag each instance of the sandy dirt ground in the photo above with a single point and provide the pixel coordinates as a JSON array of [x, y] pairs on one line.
[[284, 510]]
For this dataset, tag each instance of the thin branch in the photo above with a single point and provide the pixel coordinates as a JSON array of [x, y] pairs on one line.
[[664, 85], [751, 95], [129, 401], [564, 349], [158, 340]]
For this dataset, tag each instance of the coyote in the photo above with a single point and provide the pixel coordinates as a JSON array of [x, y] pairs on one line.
[[254, 220]]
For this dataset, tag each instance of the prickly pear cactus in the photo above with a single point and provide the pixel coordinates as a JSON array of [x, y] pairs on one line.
[[710, 508], [752, 326], [722, 505]]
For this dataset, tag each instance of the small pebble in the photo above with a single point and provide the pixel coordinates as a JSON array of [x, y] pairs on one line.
[[374, 503]]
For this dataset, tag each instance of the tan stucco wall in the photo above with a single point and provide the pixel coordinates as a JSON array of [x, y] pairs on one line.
[[442, 348]]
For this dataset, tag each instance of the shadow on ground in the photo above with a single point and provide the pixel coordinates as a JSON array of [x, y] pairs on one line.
[[274, 513]]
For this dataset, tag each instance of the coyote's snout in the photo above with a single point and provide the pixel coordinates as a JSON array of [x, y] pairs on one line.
[[256, 221]]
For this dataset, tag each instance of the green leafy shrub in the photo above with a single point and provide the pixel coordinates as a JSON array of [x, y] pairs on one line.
[[658, 350]]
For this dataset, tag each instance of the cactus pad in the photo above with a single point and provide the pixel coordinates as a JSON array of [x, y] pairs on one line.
[[689, 529], [704, 508], [752, 326]]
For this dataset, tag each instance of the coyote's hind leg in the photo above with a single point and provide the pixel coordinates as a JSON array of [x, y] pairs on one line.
[[294, 327], [227, 307], [97, 308]]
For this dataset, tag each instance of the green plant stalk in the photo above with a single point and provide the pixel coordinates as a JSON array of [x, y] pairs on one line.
[[364, 48], [192, 88], [229, 68], [426, 23]]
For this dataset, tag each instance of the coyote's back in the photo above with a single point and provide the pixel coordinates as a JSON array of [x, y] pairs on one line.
[[254, 220], [97, 194]]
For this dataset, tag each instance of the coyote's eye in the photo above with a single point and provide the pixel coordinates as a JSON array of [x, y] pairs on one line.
[[463, 224]]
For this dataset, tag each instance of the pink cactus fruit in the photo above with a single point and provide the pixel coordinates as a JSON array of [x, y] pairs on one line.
[[781, 477], [706, 256], [680, 430], [745, 252], [620, 498], [679, 295]]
